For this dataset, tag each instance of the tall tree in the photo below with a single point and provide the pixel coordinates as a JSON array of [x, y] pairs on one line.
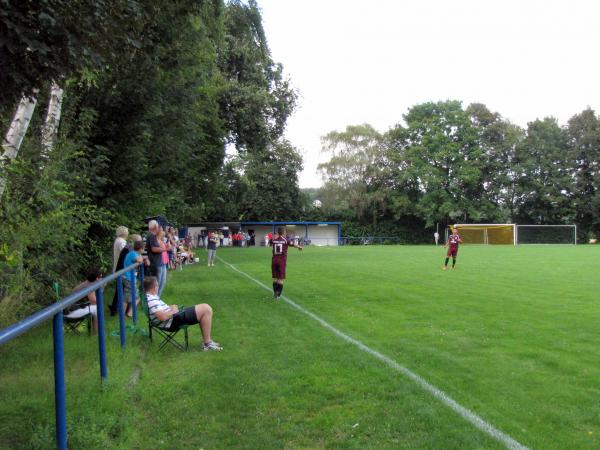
[[351, 171], [545, 182], [499, 140], [255, 99], [272, 184], [443, 156], [583, 142]]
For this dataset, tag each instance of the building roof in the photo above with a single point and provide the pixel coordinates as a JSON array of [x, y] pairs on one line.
[[292, 223], [216, 225]]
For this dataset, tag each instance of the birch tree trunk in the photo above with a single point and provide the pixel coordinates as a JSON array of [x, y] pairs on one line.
[[50, 128], [16, 132]]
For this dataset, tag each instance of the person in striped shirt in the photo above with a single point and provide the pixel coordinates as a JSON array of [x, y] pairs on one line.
[[171, 318]]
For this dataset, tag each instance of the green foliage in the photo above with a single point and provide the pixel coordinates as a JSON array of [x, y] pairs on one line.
[[154, 92], [42, 40], [46, 219], [349, 174], [255, 100], [583, 143], [545, 180], [442, 154], [448, 164], [272, 177]]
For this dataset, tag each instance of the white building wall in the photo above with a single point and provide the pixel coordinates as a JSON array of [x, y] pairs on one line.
[[323, 234], [318, 235]]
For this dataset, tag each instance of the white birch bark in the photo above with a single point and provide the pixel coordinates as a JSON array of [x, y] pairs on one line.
[[16, 132], [50, 128]]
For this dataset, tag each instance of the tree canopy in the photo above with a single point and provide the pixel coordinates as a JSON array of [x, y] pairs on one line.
[[155, 93], [447, 164]]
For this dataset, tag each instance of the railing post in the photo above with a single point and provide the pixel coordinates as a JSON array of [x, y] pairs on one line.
[[101, 334], [122, 330], [60, 404], [133, 282]]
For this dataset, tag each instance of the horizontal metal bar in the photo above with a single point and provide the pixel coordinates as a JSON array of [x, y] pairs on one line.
[[570, 226], [37, 318]]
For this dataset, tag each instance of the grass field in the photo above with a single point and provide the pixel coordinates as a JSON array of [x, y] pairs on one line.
[[512, 335]]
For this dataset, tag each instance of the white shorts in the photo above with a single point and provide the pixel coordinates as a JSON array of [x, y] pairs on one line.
[[81, 312]]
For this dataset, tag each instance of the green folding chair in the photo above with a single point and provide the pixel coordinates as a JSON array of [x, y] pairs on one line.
[[71, 324], [166, 337]]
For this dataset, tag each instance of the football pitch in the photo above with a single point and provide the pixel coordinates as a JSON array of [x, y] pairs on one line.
[[375, 347], [511, 335]]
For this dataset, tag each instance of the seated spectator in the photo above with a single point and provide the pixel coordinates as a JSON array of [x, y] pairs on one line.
[[187, 256], [171, 318], [86, 305]]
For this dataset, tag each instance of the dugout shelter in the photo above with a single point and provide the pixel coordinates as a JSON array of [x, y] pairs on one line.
[[315, 233]]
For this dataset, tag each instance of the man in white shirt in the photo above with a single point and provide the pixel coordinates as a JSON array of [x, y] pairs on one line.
[[171, 318]]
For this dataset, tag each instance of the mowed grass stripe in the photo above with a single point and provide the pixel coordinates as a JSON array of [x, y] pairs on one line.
[[281, 382], [511, 334], [519, 347], [468, 415]]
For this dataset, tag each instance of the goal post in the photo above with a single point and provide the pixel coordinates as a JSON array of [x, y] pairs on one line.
[[547, 234], [487, 233]]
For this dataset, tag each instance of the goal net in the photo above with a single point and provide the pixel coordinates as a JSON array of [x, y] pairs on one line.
[[547, 234], [486, 233]]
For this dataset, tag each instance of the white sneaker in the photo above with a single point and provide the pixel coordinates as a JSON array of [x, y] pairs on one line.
[[212, 346]]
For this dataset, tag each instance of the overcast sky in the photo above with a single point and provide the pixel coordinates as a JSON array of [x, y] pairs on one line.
[[369, 61]]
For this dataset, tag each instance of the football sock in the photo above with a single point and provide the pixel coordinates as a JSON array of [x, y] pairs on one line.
[[274, 288], [446, 263], [453, 261], [280, 289]]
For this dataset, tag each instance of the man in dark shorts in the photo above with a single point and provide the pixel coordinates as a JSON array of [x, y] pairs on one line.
[[171, 318], [452, 244], [280, 244]]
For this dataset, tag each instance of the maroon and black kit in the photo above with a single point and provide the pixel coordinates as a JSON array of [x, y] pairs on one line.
[[453, 242], [279, 246]]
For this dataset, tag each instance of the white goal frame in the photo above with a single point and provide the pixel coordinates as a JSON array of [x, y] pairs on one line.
[[574, 226], [475, 225]]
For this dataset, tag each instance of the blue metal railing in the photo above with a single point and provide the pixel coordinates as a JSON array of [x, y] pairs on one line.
[[55, 312]]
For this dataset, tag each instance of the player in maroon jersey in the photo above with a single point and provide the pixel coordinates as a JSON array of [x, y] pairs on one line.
[[452, 244], [280, 244]]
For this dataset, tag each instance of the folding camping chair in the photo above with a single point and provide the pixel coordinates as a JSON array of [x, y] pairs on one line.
[[167, 337], [72, 323]]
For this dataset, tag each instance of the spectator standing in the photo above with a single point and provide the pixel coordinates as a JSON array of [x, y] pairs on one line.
[[120, 265], [212, 248], [119, 244], [130, 278], [172, 242], [220, 239], [154, 249], [163, 241], [226, 238]]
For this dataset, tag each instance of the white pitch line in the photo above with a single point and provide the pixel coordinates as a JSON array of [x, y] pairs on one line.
[[465, 413]]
